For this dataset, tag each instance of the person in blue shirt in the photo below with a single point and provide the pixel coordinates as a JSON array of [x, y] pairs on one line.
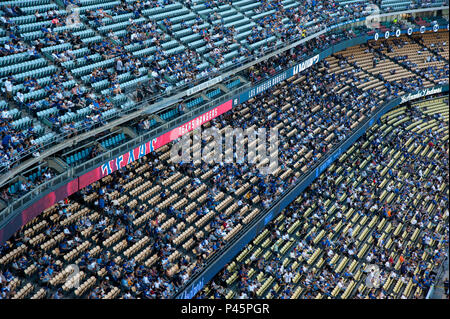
[[101, 203], [6, 139]]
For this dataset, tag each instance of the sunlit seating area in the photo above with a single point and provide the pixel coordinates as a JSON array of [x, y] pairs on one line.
[[382, 203]]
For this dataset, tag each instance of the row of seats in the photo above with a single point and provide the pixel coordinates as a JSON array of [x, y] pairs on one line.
[[79, 156], [212, 94], [113, 141], [366, 209], [211, 35], [233, 84], [194, 102], [169, 115], [14, 188], [195, 208], [36, 175], [397, 5], [313, 111]]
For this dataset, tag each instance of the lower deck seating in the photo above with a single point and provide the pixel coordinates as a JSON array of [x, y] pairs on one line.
[[382, 203]]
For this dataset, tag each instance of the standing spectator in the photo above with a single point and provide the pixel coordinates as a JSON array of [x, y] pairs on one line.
[[8, 87]]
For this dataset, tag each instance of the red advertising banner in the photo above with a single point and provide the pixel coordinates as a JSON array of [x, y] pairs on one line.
[[64, 191], [152, 145], [36, 208]]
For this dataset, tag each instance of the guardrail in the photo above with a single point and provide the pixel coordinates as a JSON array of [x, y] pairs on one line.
[[439, 276], [239, 95], [167, 99], [250, 231], [66, 183]]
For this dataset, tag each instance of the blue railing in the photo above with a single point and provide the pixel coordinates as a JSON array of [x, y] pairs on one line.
[[253, 229]]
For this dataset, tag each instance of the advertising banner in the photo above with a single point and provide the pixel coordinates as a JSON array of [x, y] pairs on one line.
[[278, 78], [152, 145], [36, 208], [419, 94], [388, 34], [64, 191], [197, 283]]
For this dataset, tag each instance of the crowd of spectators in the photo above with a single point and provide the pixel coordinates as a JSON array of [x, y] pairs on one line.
[[67, 94], [15, 142], [418, 261], [270, 67], [64, 91], [324, 108]]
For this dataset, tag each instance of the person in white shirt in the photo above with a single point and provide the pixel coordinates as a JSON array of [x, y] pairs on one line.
[[340, 285], [119, 65], [8, 88], [20, 96], [243, 295], [5, 115]]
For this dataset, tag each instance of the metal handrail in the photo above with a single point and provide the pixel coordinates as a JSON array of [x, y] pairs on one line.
[[111, 154], [73, 172], [181, 92], [303, 177]]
